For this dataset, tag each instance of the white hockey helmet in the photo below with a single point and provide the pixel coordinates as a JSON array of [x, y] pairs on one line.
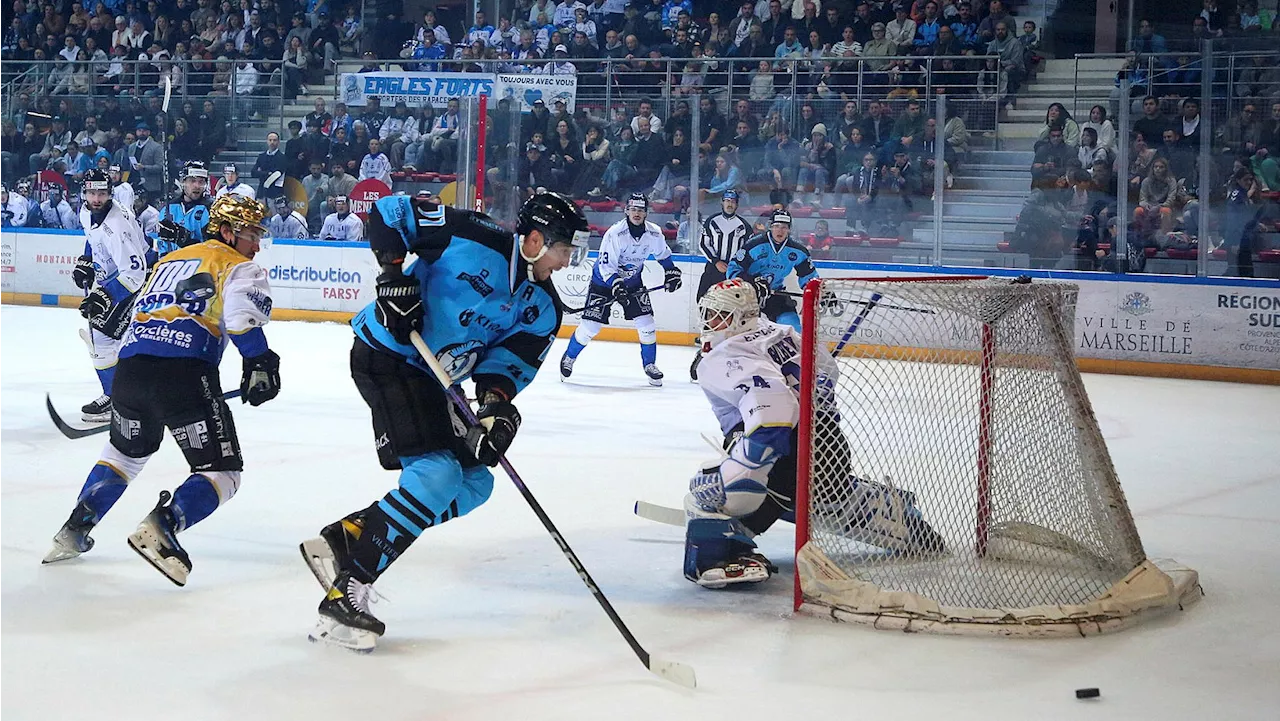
[[729, 308]]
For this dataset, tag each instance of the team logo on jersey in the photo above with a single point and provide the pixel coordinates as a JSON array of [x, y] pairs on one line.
[[793, 256], [459, 358], [479, 283], [530, 315]]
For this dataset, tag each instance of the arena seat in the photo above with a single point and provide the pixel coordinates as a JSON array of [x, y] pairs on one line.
[[831, 213]]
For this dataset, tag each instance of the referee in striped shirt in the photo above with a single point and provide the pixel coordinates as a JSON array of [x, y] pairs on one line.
[[722, 235]]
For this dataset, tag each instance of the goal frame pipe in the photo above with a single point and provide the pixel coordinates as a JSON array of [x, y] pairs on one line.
[[986, 387], [808, 353]]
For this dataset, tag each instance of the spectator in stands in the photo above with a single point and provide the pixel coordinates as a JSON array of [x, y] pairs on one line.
[[744, 146], [535, 171], [1265, 169], [909, 125], [564, 153], [1259, 81], [1241, 224], [373, 116], [876, 128], [1057, 116], [740, 27], [444, 138], [790, 46], [996, 14], [927, 29], [1182, 160], [1051, 159], [376, 164], [1152, 123], [1089, 149], [146, 159], [965, 27], [675, 171], [817, 166], [781, 159], [398, 131], [1012, 59], [1139, 84], [1156, 199], [1188, 123], [645, 110], [595, 156], [762, 82], [863, 182], [1102, 128], [1148, 42], [272, 160], [621, 167], [1269, 136], [1243, 133]]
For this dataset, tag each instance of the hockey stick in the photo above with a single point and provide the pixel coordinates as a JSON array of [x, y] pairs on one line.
[[886, 306], [164, 108], [672, 671], [73, 433], [607, 301], [853, 327], [661, 514]]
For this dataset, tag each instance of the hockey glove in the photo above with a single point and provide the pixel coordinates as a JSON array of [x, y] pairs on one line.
[[172, 233], [499, 421], [672, 279], [763, 289], [260, 381], [96, 304], [619, 290], [82, 275], [399, 304]]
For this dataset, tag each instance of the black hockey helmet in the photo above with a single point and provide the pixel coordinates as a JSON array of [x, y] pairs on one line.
[[194, 169], [95, 179], [638, 201], [559, 219]]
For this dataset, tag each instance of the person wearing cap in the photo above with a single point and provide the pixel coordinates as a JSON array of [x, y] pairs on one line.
[[766, 260], [901, 30], [287, 222], [534, 168], [560, 65], [342, 224], [231, 183], [55, 211], [121, 191], [817, 165]]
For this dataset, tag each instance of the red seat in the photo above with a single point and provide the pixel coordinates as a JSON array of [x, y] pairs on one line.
[[1220, 254], [761, 209], [1004, 246], [1150, 252], [831, 213], [597, 229], [602, 206], [1178, 254], [802, 211], [669, 233], [580, 203], [1269, 256], [884, 242], [422, 177], [665, 207], [399, 175], [447, 177], [846, 240]]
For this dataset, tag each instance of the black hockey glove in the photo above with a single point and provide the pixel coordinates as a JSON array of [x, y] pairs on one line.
[[499, 421], [672, 279], [260, 381], [96, 304], [82, 275], [763, 289], [171, 232], [399, 304], [619, 290]]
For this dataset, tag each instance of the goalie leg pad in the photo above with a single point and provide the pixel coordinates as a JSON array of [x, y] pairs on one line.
[[719, 550], [880, 514]]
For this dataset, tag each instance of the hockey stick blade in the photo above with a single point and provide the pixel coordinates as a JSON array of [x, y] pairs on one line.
[[660, 514], [673, 672], [606, 301], [73, 433]]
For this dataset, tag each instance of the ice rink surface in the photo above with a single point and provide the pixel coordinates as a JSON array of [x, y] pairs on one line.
[[485, 618]]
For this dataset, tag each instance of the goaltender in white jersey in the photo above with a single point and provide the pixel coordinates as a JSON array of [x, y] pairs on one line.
[[114, 266], [751, 375]]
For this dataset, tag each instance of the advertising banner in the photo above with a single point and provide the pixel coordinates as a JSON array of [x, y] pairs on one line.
[[41, 262], [320, 275], [527, 88], [415, 89], [365, 194]]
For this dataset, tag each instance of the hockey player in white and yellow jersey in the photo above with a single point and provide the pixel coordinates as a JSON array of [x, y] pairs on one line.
[[750, 372], [196, 299]]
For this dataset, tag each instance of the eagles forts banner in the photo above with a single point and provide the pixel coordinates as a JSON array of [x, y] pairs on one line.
[[420, 89]]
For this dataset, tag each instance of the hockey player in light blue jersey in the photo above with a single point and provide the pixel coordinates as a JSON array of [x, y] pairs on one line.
[[616, 278], [750, 373], [766, 260], [188, 211], [483, 300]]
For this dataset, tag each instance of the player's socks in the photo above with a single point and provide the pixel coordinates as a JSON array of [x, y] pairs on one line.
[[106, 377], [575, 347], [101, 490], [194, 500]]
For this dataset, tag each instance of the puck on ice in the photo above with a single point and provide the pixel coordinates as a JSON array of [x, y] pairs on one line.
[[1088, 693]]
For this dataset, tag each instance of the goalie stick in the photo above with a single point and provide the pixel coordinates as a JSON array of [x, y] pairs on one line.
[[672, 671], [73, 433], [606, 301]]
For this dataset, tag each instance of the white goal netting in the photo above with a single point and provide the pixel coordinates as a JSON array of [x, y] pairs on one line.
[[958, 481]]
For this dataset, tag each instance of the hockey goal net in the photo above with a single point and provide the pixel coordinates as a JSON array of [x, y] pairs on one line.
[[957, 480]]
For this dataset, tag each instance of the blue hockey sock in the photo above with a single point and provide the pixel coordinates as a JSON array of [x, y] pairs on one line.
[[102, 489], [106, 377], [575, 347], [194, 500], [648, 353]]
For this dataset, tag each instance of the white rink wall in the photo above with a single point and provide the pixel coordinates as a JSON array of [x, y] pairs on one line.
[[1211, 328]]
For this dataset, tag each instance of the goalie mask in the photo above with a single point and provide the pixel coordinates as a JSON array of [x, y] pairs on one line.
[[729, 308]]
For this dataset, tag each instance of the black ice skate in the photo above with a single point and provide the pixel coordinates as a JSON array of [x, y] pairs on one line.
[[751, 568], [566, 366], [73, 538], [96, 411], [156, 540], [327, 554], [345, 619], [655, 375]]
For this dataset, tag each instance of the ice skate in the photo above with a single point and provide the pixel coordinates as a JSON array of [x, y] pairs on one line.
[[97, 411], [566, 366], [73, 538], [655, 375], [156, 541], [345, 619], [752, 568], [326, 554]]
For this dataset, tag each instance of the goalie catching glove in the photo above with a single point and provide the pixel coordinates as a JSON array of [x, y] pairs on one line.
[[498, 422], [399, 304], [260, 380]]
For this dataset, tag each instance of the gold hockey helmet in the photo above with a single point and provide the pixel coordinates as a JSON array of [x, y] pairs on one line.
[[238, 211]]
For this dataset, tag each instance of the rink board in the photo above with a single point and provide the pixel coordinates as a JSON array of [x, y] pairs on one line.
[[1206, 328]]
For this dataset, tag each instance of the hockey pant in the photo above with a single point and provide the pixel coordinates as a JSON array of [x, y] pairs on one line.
[[417, 432], [184, 395], [781, 308], [104, 350], [637, 307]]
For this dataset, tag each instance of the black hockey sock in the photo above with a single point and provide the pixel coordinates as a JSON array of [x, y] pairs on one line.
[[372, 541]]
